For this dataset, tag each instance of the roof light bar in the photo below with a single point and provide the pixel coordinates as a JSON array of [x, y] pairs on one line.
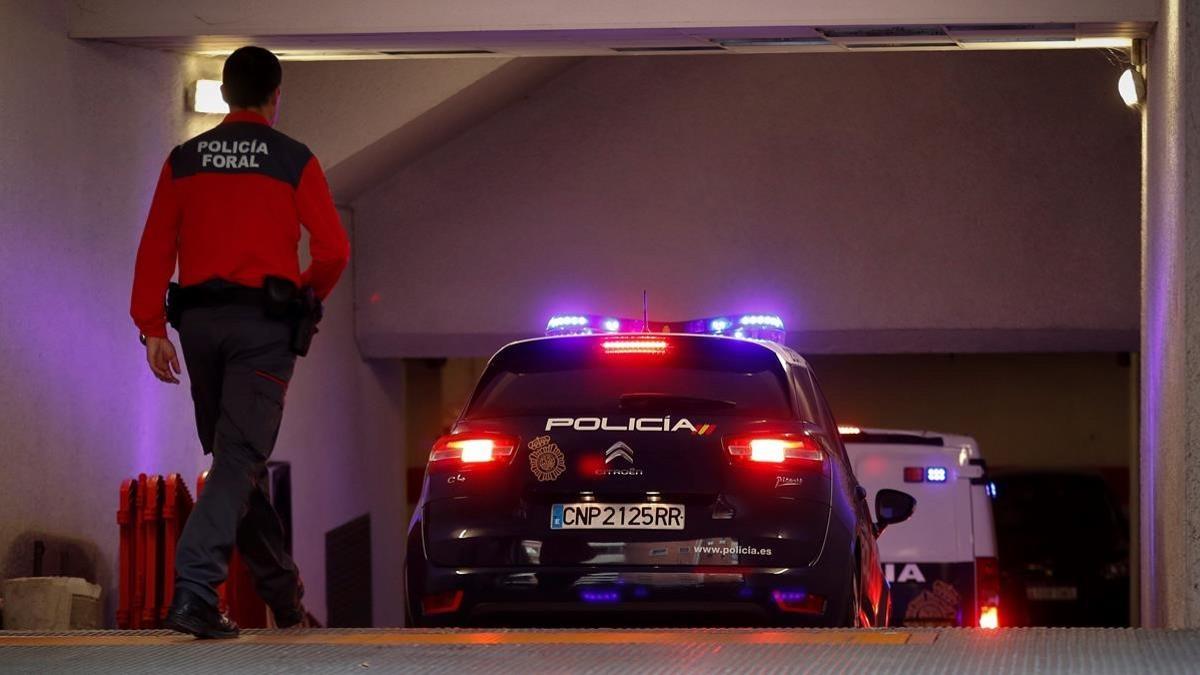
[[590, 324], [748, 326]]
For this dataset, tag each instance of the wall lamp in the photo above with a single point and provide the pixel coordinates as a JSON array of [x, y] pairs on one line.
[[206, 97], [1132, 84]]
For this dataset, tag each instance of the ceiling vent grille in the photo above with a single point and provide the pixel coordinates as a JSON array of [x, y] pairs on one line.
[[1009, 27], [434, 52], [882, 32], [668, 49], [899, 45], [774, 42]]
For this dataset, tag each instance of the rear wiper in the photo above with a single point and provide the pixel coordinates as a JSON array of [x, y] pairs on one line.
[[651, 401]]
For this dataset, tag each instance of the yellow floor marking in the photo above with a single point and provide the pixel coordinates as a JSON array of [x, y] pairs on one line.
[[484, 637]]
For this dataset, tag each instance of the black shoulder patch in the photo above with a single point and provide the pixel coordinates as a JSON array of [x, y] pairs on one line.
[[242, 147]]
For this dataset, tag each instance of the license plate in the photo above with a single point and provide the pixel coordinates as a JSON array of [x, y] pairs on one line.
[[1052, 593], [593, 516]]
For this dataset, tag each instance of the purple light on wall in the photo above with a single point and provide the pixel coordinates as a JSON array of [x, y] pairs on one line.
[[151, 427]]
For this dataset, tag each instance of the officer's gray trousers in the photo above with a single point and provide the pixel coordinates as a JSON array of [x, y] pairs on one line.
[[239, 365]]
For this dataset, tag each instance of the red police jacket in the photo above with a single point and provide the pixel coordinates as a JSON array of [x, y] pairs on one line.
[[229, 205]]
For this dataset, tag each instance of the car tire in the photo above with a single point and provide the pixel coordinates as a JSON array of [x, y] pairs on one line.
[[411, 614], [853, 618]]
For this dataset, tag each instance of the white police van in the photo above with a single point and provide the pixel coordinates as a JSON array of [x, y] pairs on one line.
[[942, 562]]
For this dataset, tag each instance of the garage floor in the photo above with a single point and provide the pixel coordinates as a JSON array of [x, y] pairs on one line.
[[1016, 650]]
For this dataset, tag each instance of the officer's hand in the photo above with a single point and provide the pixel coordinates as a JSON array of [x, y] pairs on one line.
[[160, 354]]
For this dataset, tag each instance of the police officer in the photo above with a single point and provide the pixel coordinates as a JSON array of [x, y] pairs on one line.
[[228, 208]]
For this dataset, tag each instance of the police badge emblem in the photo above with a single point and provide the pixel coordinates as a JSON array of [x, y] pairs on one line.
[[546, 461]]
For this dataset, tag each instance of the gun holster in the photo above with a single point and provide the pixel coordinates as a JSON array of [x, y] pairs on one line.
[[279, 298], [304, 326], [174, 305], [300, 307]]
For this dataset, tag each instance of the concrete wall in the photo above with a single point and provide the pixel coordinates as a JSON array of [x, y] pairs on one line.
[[86, 128], [887, 202]]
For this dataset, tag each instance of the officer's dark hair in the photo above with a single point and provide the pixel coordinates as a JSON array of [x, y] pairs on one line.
[[250, 76]]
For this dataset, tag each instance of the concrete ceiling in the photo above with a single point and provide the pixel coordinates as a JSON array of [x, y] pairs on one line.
[[445, 67], [309, 29], [644, 41], [367, 120]]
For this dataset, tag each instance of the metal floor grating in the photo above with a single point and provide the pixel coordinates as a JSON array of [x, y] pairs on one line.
[[621, 652]]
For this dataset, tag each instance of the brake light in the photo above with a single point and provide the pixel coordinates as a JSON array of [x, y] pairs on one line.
[[635, 346], [472, 449], [774, 449], [987, 591]]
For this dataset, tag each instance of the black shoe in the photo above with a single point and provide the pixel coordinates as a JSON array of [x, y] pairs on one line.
[[192, 615], [295, 618]]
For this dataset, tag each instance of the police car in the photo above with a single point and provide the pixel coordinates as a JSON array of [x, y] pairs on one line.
[[628, 471], [942, 563]]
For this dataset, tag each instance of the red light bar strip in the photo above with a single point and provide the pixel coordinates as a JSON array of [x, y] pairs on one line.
[[646, 346]]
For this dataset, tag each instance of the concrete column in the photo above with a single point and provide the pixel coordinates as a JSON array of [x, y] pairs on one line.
[[1170, 436], [380, 434]]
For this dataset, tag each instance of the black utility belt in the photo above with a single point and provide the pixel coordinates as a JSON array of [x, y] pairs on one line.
[[181, 298], [279, 299]]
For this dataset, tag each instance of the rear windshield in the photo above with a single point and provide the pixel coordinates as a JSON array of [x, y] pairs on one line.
[[576, 376]]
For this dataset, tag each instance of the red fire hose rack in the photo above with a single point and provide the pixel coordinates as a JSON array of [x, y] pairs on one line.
[[151, 513]]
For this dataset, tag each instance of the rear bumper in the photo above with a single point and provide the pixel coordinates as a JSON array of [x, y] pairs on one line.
[[629, 596]]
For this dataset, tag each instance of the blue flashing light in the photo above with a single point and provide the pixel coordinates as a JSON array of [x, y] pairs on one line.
[[599, 596], [612, 325], [566, 320], [991, 489], [570, 324], [935, 474], [719, 325], [768, 320]]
